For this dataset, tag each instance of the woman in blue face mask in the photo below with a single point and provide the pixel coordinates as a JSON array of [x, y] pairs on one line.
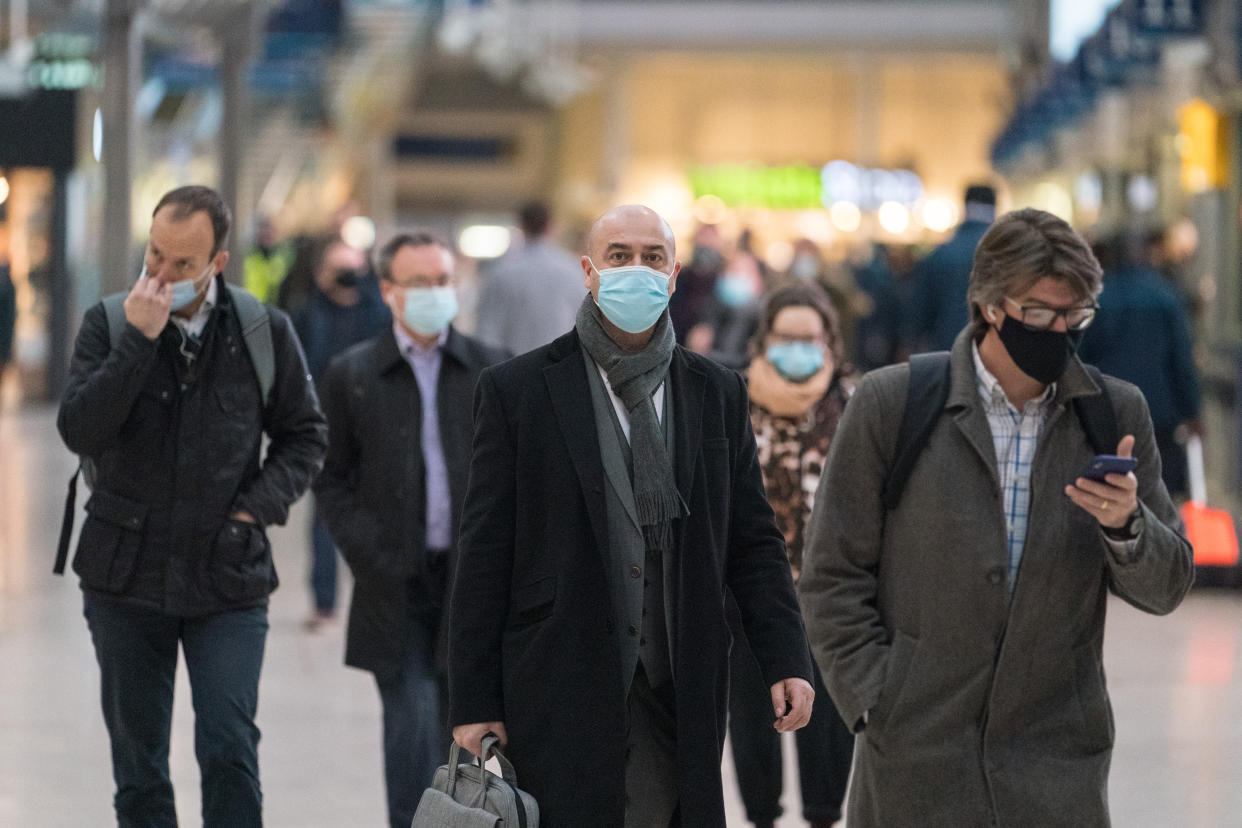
[[797, 392]]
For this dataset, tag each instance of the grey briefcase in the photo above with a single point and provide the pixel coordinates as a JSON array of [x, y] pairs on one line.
[[470, 796]]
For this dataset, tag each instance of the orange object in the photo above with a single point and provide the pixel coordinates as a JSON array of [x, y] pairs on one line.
[[1211, 533]]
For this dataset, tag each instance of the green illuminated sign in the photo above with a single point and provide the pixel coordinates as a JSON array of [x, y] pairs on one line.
[[792, 187]]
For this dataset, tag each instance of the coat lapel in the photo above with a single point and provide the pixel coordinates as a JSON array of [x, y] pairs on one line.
[[571, 401], [967, 407], [687, 385]]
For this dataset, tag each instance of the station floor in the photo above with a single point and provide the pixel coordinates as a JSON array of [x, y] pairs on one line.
[[1176, 686]]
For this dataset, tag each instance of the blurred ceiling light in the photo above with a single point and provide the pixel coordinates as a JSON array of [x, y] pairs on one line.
[[710, 209], [358, 232], [484, 241], [1089, 192], [4, 189], [97, 135], [816, 226], [939, 214], [1052, 197], [779, 255], [894, 217], [1142, 194], [845, 216]]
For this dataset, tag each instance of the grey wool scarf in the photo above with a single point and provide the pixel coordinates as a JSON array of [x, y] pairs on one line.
[[634, 377]]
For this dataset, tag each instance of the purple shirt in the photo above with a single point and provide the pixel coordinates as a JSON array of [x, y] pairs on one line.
[[426, 364]]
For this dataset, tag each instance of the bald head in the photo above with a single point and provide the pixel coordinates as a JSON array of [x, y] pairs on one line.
[[630, 235], [627, 220]]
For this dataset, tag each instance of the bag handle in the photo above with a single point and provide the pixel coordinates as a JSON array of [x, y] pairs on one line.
[[491, 744]]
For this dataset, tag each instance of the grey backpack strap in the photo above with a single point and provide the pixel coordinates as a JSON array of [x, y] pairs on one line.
[[114, 310], [256, 328]]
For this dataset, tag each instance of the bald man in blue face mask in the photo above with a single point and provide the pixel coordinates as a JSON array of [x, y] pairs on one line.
[[614, 496]]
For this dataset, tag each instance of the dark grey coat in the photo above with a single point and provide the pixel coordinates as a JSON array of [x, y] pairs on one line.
[[177, 450], [372, 489], [981, 712]]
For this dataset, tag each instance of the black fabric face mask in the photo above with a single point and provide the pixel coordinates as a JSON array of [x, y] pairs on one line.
[[1041, 355], [347, 278]]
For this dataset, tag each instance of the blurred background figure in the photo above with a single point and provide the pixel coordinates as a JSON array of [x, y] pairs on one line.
[[341, 310], [878, 329], [731, 315], [940, 306], [265, 267], [8, 318], [696, 284], [532, 295], [1141, 334], [798, 388]]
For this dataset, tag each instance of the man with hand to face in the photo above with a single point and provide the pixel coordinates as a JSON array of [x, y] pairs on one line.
[[960, 626], [168, 401], [391, 492], [614, 495]]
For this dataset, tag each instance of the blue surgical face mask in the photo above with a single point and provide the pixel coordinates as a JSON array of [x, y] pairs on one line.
[[429, 310], [632, 297], [187, 290], [735, 289], [796, 361]]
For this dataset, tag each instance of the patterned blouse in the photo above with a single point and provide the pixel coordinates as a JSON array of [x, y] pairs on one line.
[[792, 453]]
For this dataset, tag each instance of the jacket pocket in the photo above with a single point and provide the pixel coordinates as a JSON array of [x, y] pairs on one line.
[[110, 542], [241, 563], [1097, 713], [534, 601], [900, 656]]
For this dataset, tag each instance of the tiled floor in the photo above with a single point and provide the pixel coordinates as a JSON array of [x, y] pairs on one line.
[[1175, 685]]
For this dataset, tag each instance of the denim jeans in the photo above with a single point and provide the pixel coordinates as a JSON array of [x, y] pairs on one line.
[[825, 745], [323, 565], [416, 733], [137, 653]]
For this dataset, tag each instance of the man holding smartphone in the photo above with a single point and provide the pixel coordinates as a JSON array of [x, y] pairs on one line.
[[960, 628]]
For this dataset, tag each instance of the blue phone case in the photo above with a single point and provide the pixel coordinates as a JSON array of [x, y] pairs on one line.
[[1104, 464]]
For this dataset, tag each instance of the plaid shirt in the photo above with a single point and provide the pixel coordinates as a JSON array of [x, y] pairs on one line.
[[1015, 434]]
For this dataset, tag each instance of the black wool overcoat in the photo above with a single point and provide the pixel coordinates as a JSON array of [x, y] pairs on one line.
[[532, 641]]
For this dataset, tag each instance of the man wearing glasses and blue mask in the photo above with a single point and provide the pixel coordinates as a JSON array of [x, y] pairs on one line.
[[171, 392], [398, 408], [614, 495], [955, 597]]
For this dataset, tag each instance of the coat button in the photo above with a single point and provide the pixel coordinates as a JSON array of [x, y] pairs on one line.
[[636, 571], [996, 575], [163, 395], [633, 630]]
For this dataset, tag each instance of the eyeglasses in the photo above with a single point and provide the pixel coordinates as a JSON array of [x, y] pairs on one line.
[[1040, 318]]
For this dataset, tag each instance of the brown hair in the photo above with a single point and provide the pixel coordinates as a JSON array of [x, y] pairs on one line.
[[414, 238], [800, 295], [194, 198], [1022, 248]]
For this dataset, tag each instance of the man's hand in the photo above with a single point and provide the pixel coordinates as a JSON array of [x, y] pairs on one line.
[[148, 305], [471, 736], [1113, 502], [243, 516], [791, 701]]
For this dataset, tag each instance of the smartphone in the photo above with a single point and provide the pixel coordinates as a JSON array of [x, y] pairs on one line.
[[1104, 464]]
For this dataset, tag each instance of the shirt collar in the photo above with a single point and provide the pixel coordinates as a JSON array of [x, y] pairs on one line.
[[410, 348], [992, 393]]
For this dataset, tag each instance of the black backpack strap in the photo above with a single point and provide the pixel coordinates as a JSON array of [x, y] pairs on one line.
[[256, 327], [925, 399], [1098, 418], [114, 315], [66, 525]]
